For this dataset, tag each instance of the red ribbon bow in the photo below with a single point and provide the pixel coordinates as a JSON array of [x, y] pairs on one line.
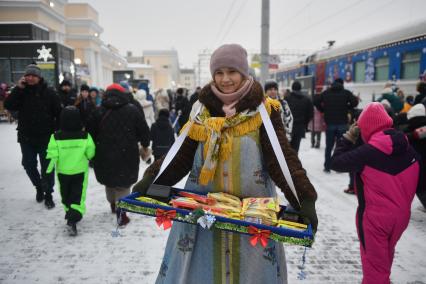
[[164, 218], [258, 234]]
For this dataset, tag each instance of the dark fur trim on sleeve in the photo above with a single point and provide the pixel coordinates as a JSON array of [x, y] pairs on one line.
[[304, 188], [179, 166]]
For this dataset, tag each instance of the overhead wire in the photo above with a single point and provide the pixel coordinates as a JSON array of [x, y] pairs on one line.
[[244, 2], [224, 22], [300, 32], [296, 14], [355, 20]]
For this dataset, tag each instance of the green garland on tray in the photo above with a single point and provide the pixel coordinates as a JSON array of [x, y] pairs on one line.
[[218, 225]]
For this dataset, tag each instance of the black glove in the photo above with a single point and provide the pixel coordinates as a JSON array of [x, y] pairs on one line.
[[309, 214], [143, 185]]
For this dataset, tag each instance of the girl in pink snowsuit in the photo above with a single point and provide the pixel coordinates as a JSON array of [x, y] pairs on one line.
[[387, 176]]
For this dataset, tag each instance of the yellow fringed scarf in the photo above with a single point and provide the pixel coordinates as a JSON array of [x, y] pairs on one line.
[[218, 133]]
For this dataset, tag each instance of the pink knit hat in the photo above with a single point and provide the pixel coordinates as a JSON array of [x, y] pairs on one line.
[[230, 56], [373, 118]]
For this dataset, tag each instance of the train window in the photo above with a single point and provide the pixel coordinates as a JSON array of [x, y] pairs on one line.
[[381, 69], [359, 71], [410, 65]]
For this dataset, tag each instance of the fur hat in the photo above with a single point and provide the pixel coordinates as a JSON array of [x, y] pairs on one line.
[[65, 83], [373, 118], [296, 86], [387, 90], [416, 110], [34, 70], [271, 84], [339, 81], [164, 113], [230, 56], [70, 119], [93, 89], [84, 87]]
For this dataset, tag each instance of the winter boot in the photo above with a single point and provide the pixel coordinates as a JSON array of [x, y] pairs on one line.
[[123, 220], [48, 201], [40, 194], [72, 229], [349, 190]]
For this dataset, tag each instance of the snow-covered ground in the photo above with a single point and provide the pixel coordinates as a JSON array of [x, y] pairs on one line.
[[35, 247]]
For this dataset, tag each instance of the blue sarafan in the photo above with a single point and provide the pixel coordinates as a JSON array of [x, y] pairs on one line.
[[200, 238], [365, 65]]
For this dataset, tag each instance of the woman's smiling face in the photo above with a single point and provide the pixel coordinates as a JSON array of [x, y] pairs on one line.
[[228, 80]]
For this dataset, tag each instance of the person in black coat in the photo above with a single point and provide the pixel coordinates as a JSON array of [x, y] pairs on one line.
[[182, 107], [85, 103], [302, 109], [117, 127], [421, 89], [335, 102], [194, 97], [67, 94], [162, 134], [38, 109]]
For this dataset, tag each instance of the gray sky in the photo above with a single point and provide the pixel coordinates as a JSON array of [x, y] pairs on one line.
[[193, 25]]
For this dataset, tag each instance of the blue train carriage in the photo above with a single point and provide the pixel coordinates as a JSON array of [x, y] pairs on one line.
[[366, 65], [289, 72]]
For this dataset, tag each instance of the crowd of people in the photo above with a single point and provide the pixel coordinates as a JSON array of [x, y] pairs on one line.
[[381, 147], [108, 129]]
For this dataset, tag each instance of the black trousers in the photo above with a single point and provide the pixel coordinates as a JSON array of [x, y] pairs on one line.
[[297, 134], [30, 164], [71, 188]]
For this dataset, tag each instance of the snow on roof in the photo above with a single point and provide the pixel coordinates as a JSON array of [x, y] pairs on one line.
[[414, 30]]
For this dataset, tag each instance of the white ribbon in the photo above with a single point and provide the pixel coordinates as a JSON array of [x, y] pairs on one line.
[[277, 148], [269, 131], [178, 143]]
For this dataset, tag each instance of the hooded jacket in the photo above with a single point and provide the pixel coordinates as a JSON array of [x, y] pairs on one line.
[[117, 127], [387, 172], [162, 135]]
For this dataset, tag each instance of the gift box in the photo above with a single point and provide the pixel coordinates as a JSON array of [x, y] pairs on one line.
[[165, 215]]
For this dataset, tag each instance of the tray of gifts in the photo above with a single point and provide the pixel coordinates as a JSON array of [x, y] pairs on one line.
[[262, 218]]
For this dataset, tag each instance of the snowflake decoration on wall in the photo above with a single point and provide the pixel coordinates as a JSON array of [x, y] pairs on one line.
[[44, 53], [72, 69]]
